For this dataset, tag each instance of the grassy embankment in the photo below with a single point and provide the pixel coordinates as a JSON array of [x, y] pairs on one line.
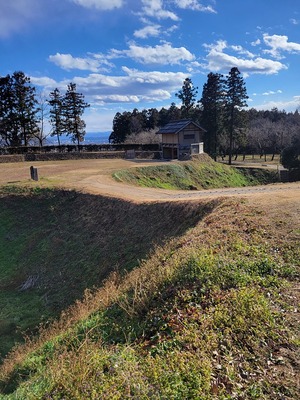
[[208, 315], [54, 244], [195, 175]]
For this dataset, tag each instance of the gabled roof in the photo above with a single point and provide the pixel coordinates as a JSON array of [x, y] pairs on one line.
[[174, 127]]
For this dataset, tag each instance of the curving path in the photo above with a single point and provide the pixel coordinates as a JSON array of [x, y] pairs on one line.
[[95, 176], [107, 186]]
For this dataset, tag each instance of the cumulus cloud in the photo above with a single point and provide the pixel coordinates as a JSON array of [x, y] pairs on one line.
[[96, 81], [155, 77], [67, 61], [132, 86], [44, 81], [219, 60], [116, 98], [148, 31], [279, 44], [99, 4], [194, 5], [163, 54], [155, 9], [241, 50]]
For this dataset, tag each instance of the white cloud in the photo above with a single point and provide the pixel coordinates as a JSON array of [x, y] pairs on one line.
[[116, 98], [156, 77], [294, 21], [155, 9], [163, 54], [95, 81], [194, 5], [256, 42], [278, 44], [43, 81], [271, 92], [218, 60], [241, 50], [100, 4], [94, 63], [147, 31], [133, 86], [287, 105]]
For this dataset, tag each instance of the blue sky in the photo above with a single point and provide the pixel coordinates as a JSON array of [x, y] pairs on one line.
[[126, 54]]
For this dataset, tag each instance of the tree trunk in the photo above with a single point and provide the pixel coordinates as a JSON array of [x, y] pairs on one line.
[[231, 135]]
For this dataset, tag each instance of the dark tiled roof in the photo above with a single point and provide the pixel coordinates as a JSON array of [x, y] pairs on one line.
[[177, 126]]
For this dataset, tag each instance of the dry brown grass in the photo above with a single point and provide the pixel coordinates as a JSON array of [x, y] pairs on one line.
[[95, 177], [231, 221], [264, 218]]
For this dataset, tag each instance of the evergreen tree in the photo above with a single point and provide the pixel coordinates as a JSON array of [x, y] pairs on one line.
[[212, 102], [163, 117], [174, 112], [56, 114], [8, 126], [73, 107], [138, 122], [187, 95], [152, 118], [18, 109], [26, 102], [121, 127], [236, 95]]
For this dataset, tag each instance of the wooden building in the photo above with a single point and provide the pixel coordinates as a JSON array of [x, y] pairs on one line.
[[181, 138]]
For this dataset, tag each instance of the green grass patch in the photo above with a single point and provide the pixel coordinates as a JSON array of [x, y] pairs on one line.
[[54, 244], [204, 317], [194, 175]]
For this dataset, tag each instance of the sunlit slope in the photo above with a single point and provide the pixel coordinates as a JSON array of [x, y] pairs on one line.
[[198, 174], [211, 314]]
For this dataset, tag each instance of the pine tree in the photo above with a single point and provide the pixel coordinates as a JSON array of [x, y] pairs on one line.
[[212, 102], [73, 108], [187, 95], [18, 109], [236, 95], [8, 127], [56, 114], [26, 102], [121, 127]]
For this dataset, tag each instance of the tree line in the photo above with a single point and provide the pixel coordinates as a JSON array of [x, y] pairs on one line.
[[22, 112], [230, 128]]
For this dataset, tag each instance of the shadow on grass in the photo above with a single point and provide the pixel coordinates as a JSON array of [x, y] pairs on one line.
[[54, 244]]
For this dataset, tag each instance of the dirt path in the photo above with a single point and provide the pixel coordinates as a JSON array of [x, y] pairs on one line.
[[95, 176]]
